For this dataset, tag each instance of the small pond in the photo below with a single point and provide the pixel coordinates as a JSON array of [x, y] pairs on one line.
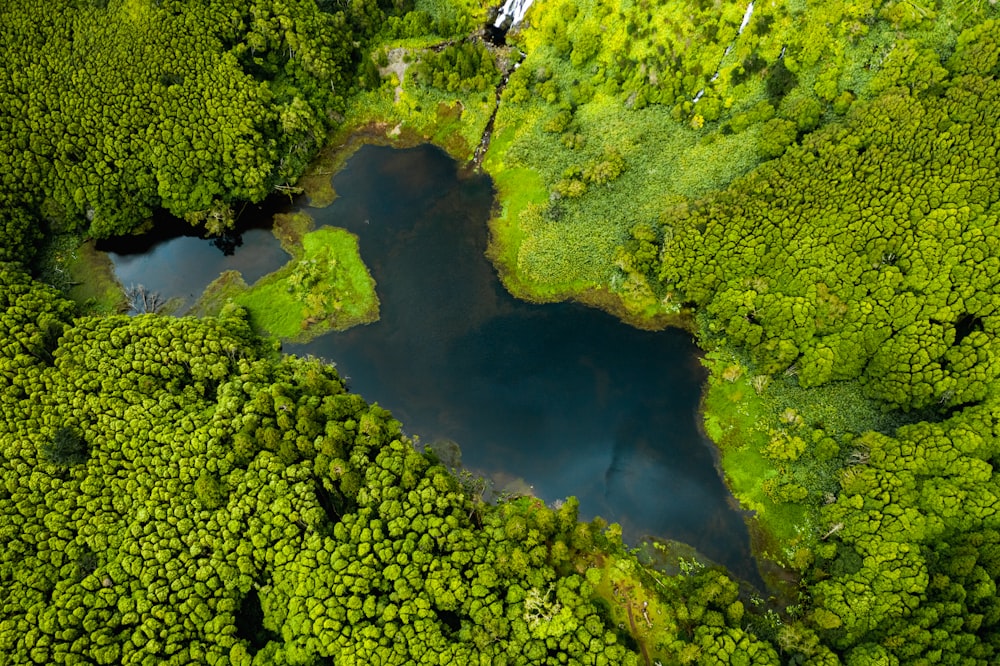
[[557, 399], [177, 263]]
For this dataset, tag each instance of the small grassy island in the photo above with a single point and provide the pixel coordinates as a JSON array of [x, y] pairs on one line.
[[812, 188]]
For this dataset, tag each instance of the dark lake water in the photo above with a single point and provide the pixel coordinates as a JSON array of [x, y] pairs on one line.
[[178, 264], [561, 399]]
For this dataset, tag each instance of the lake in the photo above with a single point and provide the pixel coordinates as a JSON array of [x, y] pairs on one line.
[[556, 400]]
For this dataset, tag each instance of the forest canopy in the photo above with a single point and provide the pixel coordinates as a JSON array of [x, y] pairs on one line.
[[110, 110], [174, 492], [814, 186], [864, 256]]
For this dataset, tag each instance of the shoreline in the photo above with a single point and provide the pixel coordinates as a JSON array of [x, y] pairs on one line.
[[348, 140]]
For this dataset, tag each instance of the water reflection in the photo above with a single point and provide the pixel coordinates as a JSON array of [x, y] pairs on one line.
[[564, 398], [176, 263], [556, 399]]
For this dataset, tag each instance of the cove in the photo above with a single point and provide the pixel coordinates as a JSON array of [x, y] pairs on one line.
[[555, 399], [176, 263]]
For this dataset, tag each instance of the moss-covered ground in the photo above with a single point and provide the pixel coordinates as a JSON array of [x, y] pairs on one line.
[[325, 287], [553, 246], [85, 275], [756, 422]]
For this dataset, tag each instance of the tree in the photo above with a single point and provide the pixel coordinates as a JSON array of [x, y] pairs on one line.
[[66, 448]]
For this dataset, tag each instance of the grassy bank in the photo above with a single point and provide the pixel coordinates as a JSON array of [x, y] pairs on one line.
[[325, 287], [781, 452], [560, 233], [83, 274], [621, 117]]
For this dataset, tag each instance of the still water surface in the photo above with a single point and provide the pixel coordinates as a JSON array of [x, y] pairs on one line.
[[561, 398], [177, 264]]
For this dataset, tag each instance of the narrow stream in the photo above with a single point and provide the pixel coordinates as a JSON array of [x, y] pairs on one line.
[[484, 143], [747, 14]]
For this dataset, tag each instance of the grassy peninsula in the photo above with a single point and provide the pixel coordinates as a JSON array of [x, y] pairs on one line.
[[810, 187], [325, 287]]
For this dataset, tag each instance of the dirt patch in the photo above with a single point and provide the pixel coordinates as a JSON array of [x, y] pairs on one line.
[[397, 67]]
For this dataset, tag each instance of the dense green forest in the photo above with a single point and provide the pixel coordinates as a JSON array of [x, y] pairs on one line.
[[113, 109], [175, 493], [812, 187]]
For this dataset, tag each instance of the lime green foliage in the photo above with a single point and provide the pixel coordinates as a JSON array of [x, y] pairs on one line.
[[173, 492], [239, 508], [210, 491], [689, 103], [869, 246], [865, 252], [113, 109], [910, 553], [467, 66], [783, 446], [437, 20], [605, 168], [403, 106], [465, 15], [80, 272], [34, 319], [409, 107], [218, 294], [594, 191], [325, 287], [740, 420], [93, 284], [214, 483], [19, 233], [694, 617], [638, 259]]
